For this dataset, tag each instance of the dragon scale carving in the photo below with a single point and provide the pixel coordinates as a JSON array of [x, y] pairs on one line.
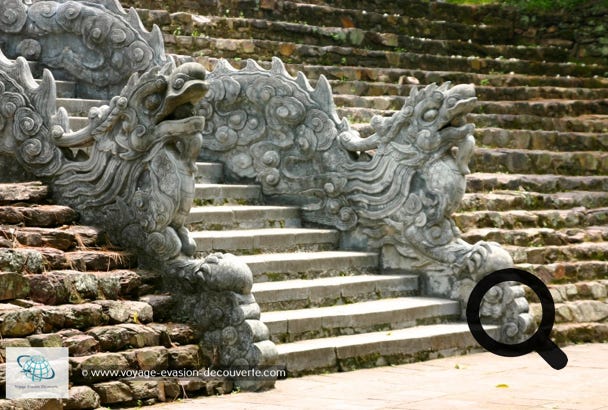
[[131, 171], [97, 44], [131, 168], [398, 198]]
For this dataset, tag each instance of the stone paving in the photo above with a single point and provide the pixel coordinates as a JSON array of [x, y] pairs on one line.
[[477, 381]]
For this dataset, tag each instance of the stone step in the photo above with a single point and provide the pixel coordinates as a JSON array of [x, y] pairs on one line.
[[399, 75], [77, 123], [65, 238], [379, 315], [404, 85], [310, 265], [542, 140], [529, 113], [114, 338], [350, 56], [65, 89], [568, 271], [29, 192], [588, 290], [554, 254], [543, 108], [79, 107], [584, 123], [209, 173], [220, 194], [467, 13], [246, 28], [537, 236], [257, 241], [519, 219], [38, 260], [547, 183], [37, 215], [18, 321], [578, 311], [343, 353], [511, 200], [110, 338], [243, 217], [504, 160], [69, 286], [569, 333], [301, 293], [326, 16], [523, 139]]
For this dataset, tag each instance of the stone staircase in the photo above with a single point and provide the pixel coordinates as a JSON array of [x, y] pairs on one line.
[[539, 177], [539, 187], [65, 285], [326, 308]]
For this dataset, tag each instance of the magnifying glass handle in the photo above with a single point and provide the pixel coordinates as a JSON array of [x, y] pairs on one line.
[[552, 354]]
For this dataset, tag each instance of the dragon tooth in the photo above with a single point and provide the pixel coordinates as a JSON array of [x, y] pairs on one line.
[[252, 65], [444, 86], [112, 5], [278, 67], [44, 97], [322, 94], [135, 21], [25, 74], [303, 82], [156, 41], [61, 118], [224, 66]]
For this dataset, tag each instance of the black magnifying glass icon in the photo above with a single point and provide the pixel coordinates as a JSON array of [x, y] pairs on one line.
[[539, 341]]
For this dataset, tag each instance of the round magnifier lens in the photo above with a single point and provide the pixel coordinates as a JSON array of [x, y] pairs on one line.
[[539, 341], [523, 308]]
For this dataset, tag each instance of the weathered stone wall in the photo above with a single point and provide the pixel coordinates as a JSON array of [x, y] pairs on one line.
[[585, 32], [62, 285]]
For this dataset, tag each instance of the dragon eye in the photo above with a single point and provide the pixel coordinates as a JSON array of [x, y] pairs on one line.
[[430, 115], [178, 83], [152, 102], [452, 101]]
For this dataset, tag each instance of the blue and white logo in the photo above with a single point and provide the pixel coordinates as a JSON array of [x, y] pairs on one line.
[[36, 367], [37, 373]]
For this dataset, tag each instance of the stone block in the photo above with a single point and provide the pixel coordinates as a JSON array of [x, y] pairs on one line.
[[149, 358], [126, 311], [81, 344], [185, 357], [80, 367], [81, 398], [80, 316], [113, 392], [13, 286], [45, 340], [142, 390], [22, 322]]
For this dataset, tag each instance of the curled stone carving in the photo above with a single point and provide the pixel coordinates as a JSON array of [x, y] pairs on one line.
[[393, 191], [131, 171], [99, 45]]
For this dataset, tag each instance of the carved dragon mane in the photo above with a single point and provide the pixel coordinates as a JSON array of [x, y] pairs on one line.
[[130, 169], [269, 126]]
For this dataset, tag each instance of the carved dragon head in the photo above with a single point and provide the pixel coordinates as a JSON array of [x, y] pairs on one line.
[[141, 164], [431, 121]]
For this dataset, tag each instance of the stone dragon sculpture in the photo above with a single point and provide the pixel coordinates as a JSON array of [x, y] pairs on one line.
[[96, 44], [131, 170], [276, 129]]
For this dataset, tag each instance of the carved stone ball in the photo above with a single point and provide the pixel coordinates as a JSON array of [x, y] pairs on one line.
[[224, 272]]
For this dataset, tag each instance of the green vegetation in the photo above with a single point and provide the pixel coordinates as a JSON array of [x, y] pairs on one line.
[[534, 5]]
